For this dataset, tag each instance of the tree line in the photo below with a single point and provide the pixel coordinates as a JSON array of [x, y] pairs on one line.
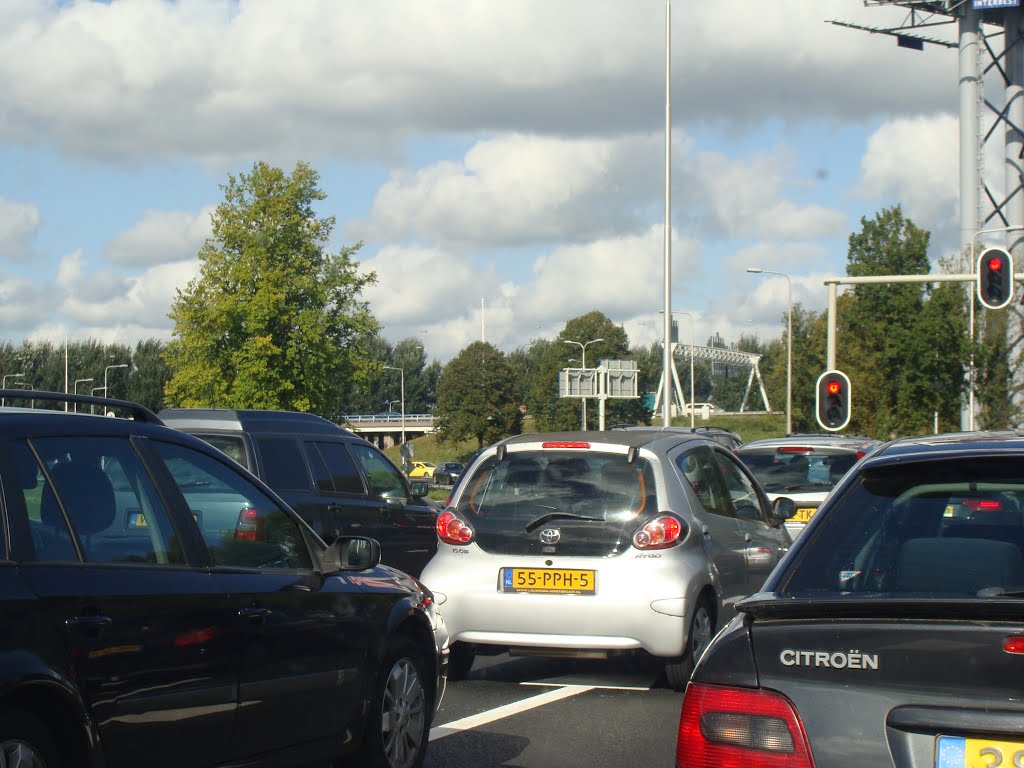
[[276, 320]]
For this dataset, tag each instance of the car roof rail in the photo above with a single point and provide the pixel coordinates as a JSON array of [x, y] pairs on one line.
[[138, 412]]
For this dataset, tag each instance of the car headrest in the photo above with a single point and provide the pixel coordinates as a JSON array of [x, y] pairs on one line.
[[88, 496]]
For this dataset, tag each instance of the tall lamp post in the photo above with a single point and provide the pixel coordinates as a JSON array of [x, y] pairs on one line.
[[3, 382], [77, 382], [106, 392], [789, 342], [692, 346], [583, 364], [402, 373]]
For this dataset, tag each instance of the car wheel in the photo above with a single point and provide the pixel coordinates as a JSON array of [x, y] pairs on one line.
[[25, 742], [397, 730], [460, 661], [702, 629]]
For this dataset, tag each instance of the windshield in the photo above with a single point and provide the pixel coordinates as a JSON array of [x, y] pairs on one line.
[[596, 499], [789, 472], [950, 528]]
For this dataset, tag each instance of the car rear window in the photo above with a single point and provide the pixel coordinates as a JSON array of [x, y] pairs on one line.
[[795, 472], [597, 496], [933, 529]]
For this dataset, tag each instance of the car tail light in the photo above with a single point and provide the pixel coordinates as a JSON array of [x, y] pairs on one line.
[[723, 727], [565, 444], [660, 533], [794, 449], [1014, 645], [983, 505], [249, 526], [452, 529]]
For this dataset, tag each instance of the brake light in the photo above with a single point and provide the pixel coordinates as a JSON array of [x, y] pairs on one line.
[[452, 529], [861, 454], [794, 449], [565, 444], [660, 533], [983, 505], [724, 727], [1013, 645], [249, 526]]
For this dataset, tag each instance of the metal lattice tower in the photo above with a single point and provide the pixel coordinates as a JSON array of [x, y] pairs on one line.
[[722, 355], [989, 43]]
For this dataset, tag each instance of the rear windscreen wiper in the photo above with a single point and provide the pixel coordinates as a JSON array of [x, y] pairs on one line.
[[535, 524]]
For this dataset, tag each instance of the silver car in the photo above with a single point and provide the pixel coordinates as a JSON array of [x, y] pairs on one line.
[[596, 543]]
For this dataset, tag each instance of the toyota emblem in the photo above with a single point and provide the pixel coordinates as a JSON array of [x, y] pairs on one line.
[[550, 536]]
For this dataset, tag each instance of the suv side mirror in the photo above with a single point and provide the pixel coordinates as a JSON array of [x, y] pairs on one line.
[[351, 553], [783, 508], [418, 489]]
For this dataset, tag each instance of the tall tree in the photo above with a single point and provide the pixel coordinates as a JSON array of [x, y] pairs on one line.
[[274, 319], [476, 397]]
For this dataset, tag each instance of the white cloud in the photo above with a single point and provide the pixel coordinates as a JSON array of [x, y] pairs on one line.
[[19, 223], [161, 237]]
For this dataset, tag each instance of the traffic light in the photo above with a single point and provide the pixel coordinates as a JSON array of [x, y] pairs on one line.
[[995, 278], [833, 400]]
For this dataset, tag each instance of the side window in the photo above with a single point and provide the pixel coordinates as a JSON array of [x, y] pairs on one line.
[[284, 468], [96, 494], [381, 474], [333, 468], [242, 526], [742, 492], [705, 477]]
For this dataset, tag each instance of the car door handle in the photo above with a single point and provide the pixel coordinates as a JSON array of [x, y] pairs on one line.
[[254, 613], [706, 531], [93, 621]]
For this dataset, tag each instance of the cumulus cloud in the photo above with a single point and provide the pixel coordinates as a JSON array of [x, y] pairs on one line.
[[161, 237], [19, 223], [136, 80]]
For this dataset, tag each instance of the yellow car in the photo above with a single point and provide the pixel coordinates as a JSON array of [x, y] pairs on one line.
[[422, 469]]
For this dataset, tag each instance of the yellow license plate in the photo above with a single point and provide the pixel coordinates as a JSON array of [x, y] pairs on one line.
[[803, 514], [557, 581], [957, 752]]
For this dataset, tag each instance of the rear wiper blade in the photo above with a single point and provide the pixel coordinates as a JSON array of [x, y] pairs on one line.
[[535, 524]]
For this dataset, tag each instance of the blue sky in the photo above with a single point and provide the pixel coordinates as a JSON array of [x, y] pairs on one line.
[[506, 153]]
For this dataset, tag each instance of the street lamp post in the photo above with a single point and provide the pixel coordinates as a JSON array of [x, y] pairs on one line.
[[3, 382], [106, 392], [583, 364], [77, 382], [402, 374], [789, 342], [692, 347]]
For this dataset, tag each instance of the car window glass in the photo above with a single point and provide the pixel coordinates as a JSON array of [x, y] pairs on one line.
[[704, 474], [333, 467], [232, 445], [384, 479], [242, 526], [284, 469], [95, 491], [941, 528], [742, 493]]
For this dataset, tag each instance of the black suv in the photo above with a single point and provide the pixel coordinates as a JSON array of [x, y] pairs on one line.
[[338, 482], [161, 606]]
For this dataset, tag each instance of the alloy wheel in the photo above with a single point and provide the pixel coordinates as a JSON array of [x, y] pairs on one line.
[[403, 718], [20, 754]]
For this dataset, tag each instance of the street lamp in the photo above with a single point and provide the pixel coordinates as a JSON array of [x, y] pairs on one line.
[[77, 382], [789, 342], [692, 346], [3, 382], [583, 364], [402, 372], [108, 368]]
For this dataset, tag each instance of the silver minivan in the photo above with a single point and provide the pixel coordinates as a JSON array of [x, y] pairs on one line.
[[597, 543]]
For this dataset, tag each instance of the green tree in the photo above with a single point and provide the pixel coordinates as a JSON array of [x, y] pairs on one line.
[[476, 397], [274, 319]]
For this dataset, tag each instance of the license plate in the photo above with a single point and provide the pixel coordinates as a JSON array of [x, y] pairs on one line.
[[957, 752], [137, 520], [557, 581], [803, 514]]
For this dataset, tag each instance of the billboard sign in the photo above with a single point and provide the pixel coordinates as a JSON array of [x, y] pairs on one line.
[[981, 5]]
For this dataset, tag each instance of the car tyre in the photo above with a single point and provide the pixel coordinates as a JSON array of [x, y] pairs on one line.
[[460, 661], [398, 727], [25, 742], [702, 629]]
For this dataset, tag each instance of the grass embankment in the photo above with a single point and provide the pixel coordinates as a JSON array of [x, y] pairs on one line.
[[752, 426]]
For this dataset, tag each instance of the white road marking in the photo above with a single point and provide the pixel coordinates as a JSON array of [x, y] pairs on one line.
[[507, 710]]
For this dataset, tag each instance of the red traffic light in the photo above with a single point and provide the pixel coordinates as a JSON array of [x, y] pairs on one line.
[[995, 264], [833, 387], [995, 278]]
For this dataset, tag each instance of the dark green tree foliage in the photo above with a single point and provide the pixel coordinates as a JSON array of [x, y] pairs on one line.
[[992, 392], [525, 363], [148, 375], [887, 330], [554, 413], [476, 397], [274, 320]]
